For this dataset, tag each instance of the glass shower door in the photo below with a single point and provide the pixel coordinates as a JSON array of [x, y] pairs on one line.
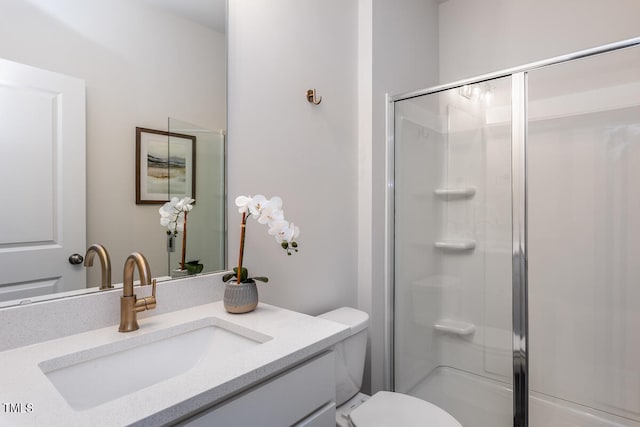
[[453, 251], [202, 164], [584, 241]]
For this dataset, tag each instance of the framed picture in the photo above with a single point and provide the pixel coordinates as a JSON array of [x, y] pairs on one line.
[[165, 166]]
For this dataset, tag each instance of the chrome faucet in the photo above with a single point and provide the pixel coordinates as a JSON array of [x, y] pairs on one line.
[[129, 304], [105, 264]]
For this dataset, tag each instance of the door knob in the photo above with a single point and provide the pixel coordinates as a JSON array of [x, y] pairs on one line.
[[76, 259]]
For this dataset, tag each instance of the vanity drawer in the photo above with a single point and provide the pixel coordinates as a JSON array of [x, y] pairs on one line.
[[323, 417], [304, 394]]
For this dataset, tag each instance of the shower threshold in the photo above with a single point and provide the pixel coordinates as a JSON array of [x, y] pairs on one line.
[[478, 401]]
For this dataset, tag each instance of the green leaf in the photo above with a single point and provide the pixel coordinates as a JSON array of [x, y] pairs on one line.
[[261, 279], [243, 275], [228, 277]]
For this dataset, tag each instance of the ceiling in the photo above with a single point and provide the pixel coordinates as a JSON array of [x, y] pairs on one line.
[[210, 13]]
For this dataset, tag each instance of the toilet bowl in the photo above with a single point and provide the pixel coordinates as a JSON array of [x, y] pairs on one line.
[[384, 408], [388, 409]]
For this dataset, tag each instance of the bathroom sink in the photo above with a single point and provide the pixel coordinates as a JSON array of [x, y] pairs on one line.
[[100, 374]]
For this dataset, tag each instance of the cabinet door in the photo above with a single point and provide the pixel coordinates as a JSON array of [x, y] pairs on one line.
[[323, 417], [282, 401]]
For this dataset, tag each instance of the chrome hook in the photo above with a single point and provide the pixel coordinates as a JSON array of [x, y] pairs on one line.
[[311, 97]]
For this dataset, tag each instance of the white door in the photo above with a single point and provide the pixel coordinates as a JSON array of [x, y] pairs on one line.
[[42, 181]]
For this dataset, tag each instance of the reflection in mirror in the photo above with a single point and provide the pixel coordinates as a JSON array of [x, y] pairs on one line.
[[204, 246], [141, 61]]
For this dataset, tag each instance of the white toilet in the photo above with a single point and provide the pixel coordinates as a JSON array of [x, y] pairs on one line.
[[383, 409]]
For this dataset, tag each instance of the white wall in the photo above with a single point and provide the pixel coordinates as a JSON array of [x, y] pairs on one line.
[[478, 37], [327, 162], [279, 144], [140, 66]]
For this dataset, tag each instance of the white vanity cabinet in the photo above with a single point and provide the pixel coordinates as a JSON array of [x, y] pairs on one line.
[[301, 396], [271, 367]]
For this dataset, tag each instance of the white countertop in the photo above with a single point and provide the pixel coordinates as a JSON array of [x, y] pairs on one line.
[[296, 337]]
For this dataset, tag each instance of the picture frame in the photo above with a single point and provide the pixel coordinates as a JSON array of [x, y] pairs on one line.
[[165, 166]]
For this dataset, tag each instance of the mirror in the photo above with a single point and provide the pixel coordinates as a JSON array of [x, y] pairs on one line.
[[142, 61]]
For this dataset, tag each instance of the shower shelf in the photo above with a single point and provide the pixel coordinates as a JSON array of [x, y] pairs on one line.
[[463, 192], [454, 327], [456, 245]]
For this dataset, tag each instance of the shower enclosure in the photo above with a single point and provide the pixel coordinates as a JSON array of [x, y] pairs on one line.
[[514, 243]]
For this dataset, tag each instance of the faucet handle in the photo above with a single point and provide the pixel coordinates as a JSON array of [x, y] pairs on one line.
[[147, 303]]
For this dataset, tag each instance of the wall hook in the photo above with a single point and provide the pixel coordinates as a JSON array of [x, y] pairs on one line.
[[311, 97]]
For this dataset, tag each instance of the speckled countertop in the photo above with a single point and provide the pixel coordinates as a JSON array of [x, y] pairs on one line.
[[35, 401]]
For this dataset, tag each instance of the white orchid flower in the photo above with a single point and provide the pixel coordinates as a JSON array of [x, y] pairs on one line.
[[172, 213], [242, 202], [179, 222], [256, 204], [284, 231], [184, 205], [276, 227], [164, 220], [167, 212], [291, 233], [265, 212], [271, 211]]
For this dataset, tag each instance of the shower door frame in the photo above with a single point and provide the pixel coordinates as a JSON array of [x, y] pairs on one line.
[[519, 215]]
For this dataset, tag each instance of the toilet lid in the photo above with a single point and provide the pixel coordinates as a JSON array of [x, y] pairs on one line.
[[386, 409]]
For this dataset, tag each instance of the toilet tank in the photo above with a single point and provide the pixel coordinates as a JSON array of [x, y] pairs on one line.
[[350, 352]]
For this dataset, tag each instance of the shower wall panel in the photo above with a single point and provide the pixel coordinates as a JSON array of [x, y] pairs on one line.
[[584, 232]]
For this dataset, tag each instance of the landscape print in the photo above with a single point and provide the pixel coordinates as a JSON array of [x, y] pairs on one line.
[[167, 168]]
